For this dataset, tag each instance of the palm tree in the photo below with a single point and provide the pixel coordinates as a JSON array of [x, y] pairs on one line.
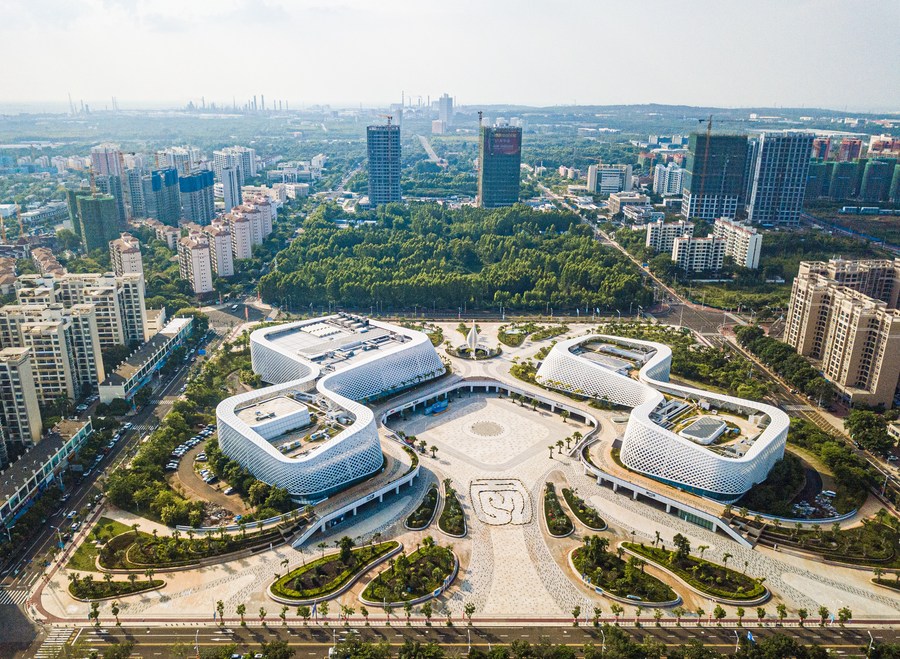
[[551, 447], [283, 616], [220, 609], [364, 612], [262, 615], [701, 549], [803, 614], [132, 578], [427, 611], [678, 611], [782, 613], [559, 445], [241, 610], [740, 615], [469, 610], [657, 616], [760, 614], [877, 572], [699, 611], [565, 415], [823, 615], [434, 450], [616, 611], [407, 609], [725, 558], [322, 546], [388, 610], [304, 612], [115, 611]]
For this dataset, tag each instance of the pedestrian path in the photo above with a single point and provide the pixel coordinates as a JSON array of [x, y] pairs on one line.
[[15, 596], [53, 644]]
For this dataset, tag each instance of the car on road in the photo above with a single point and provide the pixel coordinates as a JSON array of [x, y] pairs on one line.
[[128, 426], [229, 490], [72, 514], [234, 307]]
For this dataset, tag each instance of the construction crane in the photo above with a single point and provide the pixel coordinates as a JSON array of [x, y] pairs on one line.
[[705, 158], [21, 224], [93, 183], [480, 117], [389, 118]]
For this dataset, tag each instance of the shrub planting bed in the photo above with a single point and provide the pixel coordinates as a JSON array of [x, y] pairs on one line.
[[872, 544], [330, 573], [620, 578], [412, 576], [87, 588], [421, 517], [129, 551], [585, 514], [709, 578], [558, 523], [85, 557], [452, 519]]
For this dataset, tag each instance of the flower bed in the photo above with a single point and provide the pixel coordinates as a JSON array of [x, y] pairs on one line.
[[452, 520], [558, 523], [422, 516], [710, 578], [585, 514], [622, 579], [412, 576], [328, 574], [87, 588]]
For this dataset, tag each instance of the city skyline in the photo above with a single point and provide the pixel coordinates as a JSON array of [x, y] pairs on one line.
[[549, 47]]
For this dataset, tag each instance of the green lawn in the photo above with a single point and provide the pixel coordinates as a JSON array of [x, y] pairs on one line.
[[85, 557]]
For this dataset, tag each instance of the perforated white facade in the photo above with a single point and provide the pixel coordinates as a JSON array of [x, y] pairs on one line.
[[653, 450], [355, 452]]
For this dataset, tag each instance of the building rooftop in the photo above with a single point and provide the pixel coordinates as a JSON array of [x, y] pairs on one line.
[[268, 410], [139, 357]]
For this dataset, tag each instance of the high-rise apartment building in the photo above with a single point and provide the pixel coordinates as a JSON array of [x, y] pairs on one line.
[[118, 300], [240, 157], [713, 178], [107, 160], [742, 243], [114, 186], [241, 235], [161, 196], [220, 254], [135, 182], [196, 192], [876, 180], [667, 179], [19, 407], [849, 149], [499, 166], [231, 187], [98, 219], [383, 148], [661, 235], [125, 255], [609, 179], [844, 315], [194, 262], [445, 109], [779, 176], [698, 254], [72, 195], [185, 160]]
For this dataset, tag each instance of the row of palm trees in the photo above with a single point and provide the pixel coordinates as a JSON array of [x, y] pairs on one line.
[[566, 441]]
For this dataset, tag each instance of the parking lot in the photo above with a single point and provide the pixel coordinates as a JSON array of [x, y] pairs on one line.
[[195, 488]]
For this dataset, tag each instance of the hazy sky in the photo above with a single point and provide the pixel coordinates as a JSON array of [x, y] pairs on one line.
[[832, 53]]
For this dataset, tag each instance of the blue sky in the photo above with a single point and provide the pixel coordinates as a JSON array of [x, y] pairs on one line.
[[831, 53]]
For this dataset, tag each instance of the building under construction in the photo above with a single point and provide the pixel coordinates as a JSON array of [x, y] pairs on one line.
[[714, 176]]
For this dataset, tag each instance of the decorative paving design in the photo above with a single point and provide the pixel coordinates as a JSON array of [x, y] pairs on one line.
[[486, 429], [499, 502]]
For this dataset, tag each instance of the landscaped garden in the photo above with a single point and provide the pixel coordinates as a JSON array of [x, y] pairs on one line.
[[452, 519], [135, 549], [558, 523], [585, 514], [412, 576], [775, 494], [620, 578], [330, 573], [88, 588], [421, 517], [710, 578], [85, 557]]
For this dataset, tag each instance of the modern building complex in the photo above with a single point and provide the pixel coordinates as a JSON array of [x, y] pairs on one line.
[[742, 243], [445, 109], [778, 174], [667, 179], [844, 315], [196, 192], [698, 254], [125, 255], [383, 148], [333, 365], [140, 367], [674, 433], [661, 235], [235, 157], [40, 468], [714, 175], [499, 166], [194, 263], [609, 179]]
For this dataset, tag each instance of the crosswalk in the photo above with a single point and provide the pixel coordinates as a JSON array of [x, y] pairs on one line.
[[55, 640], [14, 597]]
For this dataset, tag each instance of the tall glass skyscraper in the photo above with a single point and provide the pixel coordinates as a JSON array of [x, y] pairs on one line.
[[779, 178], [383, 143], [499, 164]]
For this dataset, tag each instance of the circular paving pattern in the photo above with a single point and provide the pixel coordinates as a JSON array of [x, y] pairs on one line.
[[487, 429]]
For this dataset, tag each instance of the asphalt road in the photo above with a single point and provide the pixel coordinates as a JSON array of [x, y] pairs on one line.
[[315, 640]]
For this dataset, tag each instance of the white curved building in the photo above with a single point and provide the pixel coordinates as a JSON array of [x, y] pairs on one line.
[[652, 445], [336, 363]]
